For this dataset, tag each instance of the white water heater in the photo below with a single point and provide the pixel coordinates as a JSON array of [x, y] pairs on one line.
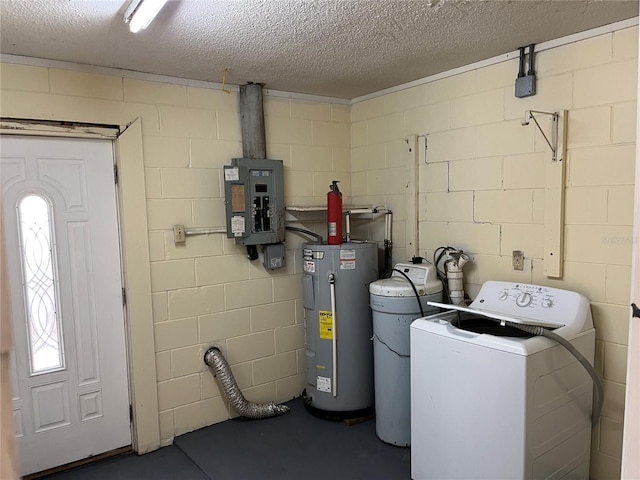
[[339, 351]]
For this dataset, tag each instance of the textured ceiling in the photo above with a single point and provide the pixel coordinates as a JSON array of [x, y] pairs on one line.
[[338, 48]]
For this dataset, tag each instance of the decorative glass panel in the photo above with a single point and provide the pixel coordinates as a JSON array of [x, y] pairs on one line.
[[43, 323]]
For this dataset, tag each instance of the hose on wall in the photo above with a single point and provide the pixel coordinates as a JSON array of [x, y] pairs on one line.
[[214, 359]]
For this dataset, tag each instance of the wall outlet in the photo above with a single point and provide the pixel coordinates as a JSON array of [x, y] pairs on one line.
[[517, 260], [179, 235]]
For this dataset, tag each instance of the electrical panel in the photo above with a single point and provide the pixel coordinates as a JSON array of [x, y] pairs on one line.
[[254, 201]]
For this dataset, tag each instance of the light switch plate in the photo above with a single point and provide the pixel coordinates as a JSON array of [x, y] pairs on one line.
[[179, 235]]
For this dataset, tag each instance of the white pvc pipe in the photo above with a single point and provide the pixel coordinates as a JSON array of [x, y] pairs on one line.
[[361, 210], [374, 210], [334, 331], [455, 281], [387, 226]]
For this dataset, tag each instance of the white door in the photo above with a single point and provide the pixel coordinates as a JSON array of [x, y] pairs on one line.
[[69, 368]]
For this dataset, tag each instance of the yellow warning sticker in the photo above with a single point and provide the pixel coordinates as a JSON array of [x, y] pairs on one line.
[[326, 324]]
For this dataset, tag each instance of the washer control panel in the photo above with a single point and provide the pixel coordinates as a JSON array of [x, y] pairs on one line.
[[527, 296], [531, 301]]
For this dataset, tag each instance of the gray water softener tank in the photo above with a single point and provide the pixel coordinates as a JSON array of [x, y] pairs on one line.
[[342, 389], [395, 307]]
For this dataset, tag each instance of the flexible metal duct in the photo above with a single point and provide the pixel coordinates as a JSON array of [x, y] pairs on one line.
[[214, 358]]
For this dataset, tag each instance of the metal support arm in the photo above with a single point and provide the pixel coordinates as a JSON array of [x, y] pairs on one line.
[[553, 144]]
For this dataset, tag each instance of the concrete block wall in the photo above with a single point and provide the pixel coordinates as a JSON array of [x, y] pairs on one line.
[[205, 292], [481, 187]]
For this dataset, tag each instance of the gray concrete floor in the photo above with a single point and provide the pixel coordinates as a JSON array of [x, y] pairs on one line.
[[294, 446]]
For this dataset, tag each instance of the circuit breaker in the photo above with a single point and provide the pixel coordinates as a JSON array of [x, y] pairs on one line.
[[254, 201]]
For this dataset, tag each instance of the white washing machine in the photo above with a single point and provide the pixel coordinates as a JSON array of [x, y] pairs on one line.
[[488, 403]]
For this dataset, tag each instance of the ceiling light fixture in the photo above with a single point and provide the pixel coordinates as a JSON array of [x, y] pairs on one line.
[[141, 13]]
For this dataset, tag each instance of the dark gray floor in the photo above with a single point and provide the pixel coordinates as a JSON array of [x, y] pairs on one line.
[[294, 446], [168, 463]]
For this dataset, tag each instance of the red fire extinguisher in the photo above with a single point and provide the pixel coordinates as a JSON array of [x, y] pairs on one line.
[[334, 215]]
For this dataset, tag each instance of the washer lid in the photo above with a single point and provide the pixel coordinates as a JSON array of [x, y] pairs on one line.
[[400, 287], [498, 316]]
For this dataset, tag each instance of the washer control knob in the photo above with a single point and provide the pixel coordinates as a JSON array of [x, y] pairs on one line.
[[524, 299], [503, 296], [547, 303]]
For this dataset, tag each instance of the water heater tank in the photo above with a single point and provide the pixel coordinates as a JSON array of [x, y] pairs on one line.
[[339, 351]]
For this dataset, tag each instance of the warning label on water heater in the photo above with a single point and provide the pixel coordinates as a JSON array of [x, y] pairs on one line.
[[326, 324], [323, 384], [347, 259]]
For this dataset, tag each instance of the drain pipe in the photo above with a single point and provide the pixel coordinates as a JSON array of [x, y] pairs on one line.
[[334, 334], [214, 358], [453, 267], [388, 220], [347, 217]]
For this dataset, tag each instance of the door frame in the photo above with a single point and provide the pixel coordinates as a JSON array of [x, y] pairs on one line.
[[630, 464], [134, 248]]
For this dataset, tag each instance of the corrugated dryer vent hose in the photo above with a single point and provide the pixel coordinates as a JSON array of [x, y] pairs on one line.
[[214, 359]]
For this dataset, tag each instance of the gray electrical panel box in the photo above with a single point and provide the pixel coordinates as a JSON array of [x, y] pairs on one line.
[[254, 201]]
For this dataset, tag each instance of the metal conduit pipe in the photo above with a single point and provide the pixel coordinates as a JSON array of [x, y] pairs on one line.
[[214, 358], [315, 235]]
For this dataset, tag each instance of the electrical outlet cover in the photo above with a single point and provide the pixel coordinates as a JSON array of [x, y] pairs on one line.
[[517, 260]]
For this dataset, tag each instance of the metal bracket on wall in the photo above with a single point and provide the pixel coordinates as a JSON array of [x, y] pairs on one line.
[[554, 190], [555, 121]]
